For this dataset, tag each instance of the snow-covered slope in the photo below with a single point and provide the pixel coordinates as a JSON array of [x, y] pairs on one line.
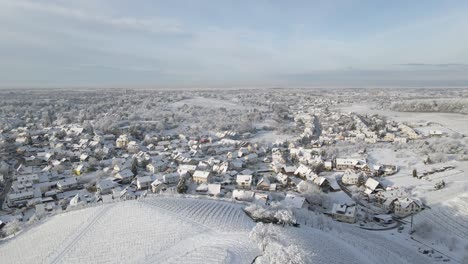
[[182, 230]]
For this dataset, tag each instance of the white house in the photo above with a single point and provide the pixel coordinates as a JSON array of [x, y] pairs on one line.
[[184, 168], [244, 181], [156, 166], [344, 164], [157, 186], [105, 186], [344, 213], [125, 176], [372, 186], [302, 170], [171, 178], [143, 182], [201, 176], [295, 201], [350, 177], [282, 178], [405, 206], [214, 189]]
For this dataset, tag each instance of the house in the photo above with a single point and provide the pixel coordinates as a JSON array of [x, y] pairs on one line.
[[171, 178], [21, 197], [67, 183], [243, 195], [282, 178], [403, 207], [157, 186], [383, 196], [328, 165], [350, 177], [105, 186], [143, 182], [383, 218], [289, 170], [80, 169], [214, 189], [121, 164], [262, 198], [344, 164], [302, 170], [244, 181], [264, 184], [124, 176], [122, 141], [295, 201], [344, 213], [186, 168], [156, 166], [372, 186], [201, 176], [323, 183], [84, 157], [388, 169]]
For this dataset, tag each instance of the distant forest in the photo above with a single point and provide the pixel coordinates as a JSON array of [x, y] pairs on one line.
[[459, 106]]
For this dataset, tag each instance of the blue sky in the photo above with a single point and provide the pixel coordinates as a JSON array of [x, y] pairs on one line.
[[121, 43]]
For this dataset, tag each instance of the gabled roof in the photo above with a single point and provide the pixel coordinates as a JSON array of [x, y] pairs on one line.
[[294, 201], [372, 184]]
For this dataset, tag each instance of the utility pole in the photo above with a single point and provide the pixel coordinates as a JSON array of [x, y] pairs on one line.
[[411, 226]]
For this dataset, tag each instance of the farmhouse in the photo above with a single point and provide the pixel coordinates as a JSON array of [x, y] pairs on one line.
[[344, 164], [405, 206]]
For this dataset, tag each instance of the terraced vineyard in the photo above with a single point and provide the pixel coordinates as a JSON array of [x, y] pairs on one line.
[[451, 216], [156, 230], [208, 213]]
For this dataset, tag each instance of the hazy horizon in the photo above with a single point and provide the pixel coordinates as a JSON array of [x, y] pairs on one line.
[[233, 44]]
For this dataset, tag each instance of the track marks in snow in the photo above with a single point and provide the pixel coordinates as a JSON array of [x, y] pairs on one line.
[[69, 243], [210, 214]]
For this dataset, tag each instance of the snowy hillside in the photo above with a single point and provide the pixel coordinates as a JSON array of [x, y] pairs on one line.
[[185, 230]]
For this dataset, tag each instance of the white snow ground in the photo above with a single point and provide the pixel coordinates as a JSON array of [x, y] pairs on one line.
[[185, 230]]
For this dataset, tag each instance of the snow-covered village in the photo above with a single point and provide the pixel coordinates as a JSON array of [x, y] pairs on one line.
[[233, 132], [250, 166]]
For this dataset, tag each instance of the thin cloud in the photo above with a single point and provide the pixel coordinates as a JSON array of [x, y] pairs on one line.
[[153, 25]]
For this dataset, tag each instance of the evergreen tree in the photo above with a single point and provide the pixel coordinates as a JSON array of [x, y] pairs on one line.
[[135, 167]]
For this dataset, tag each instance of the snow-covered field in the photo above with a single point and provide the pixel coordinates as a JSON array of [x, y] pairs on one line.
[[185, 230], [162, 230], [208, 103], [450, 122]]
